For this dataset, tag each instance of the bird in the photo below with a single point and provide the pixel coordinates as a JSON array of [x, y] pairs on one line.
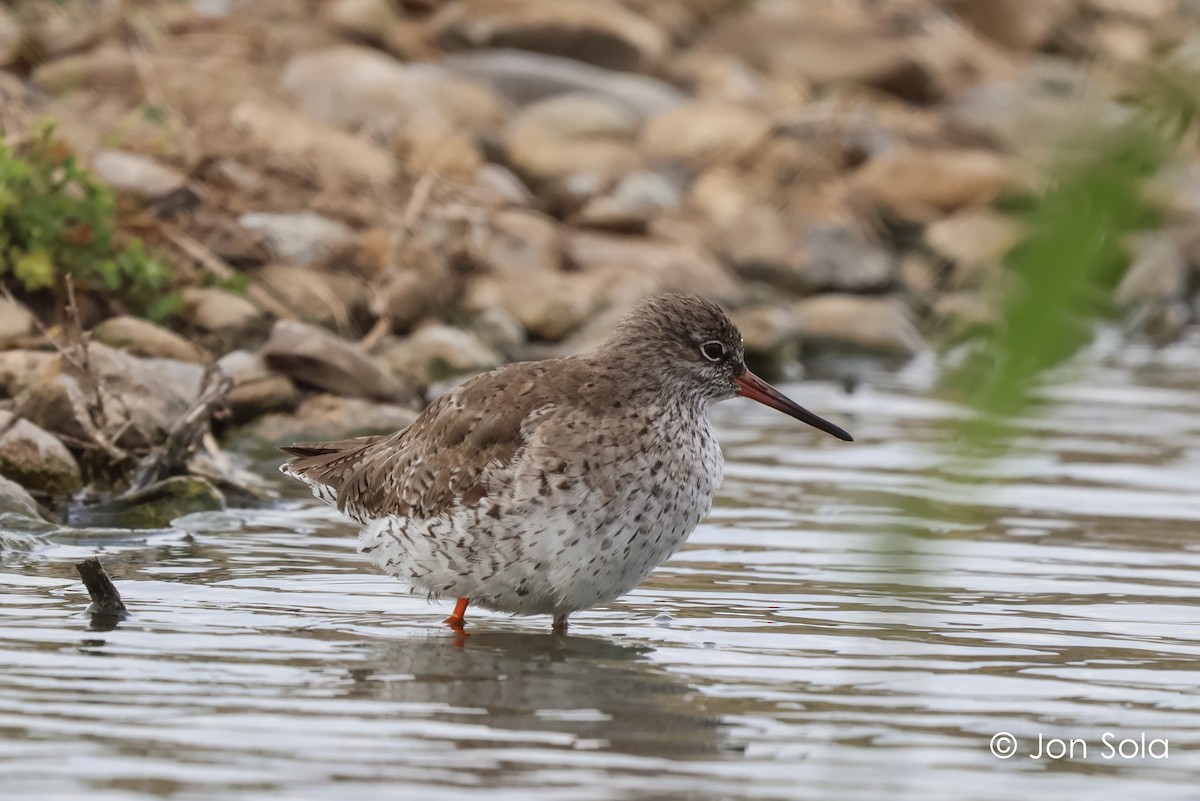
[[552, 486]]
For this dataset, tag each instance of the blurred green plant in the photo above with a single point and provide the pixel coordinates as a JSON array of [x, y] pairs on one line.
[[57, 219], [1061, 276]]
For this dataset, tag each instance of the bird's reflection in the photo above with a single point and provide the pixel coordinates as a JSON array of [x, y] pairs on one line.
[[592, 688]]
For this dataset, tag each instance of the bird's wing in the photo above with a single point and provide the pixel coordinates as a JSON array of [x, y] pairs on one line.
[[446, 458]]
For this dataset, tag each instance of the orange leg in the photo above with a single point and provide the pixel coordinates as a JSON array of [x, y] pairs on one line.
[[457, 620], [560, 624]]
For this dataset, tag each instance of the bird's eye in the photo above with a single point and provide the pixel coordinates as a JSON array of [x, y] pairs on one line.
[[714, 351]]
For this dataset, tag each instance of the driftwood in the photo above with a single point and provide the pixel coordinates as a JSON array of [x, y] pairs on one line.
[[105, 598]]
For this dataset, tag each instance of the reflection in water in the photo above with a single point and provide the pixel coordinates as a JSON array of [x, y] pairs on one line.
[[592, 688]]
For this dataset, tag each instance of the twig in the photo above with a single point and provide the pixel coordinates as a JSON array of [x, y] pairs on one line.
[[195, 250], [185, 435], [105, 598]]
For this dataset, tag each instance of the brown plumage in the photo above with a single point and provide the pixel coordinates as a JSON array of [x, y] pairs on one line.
[[551, 486]]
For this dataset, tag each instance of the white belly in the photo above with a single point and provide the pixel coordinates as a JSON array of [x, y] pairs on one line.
[[569, 549]]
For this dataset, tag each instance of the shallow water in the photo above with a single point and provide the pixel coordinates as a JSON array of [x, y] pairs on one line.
[[783, 654]]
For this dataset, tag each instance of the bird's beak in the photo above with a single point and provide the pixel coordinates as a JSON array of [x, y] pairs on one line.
[[751, 386]]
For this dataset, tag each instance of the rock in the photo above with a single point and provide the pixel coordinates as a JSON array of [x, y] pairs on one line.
[[256, 390], [15, 501], [523, 78], [727, 78], [365, 19], [974, 237], [18, 366], [1157, 274], [148, 396], [313, 356], [35, 458], [304, 143], [580, 142], [300, 238], [632, 204], [1018, 24], [358, 88], [436, 352], [823, 46], [658, 265], [10, 38], [518, 241], [220, 312], [53, 29], [138, 175], [600, 32], [788, 248], [840, 258], [329, 299], [549, 304], [960, 315], [434, 145], [764, 328], [15, 320], [499, 329], [871, 324], [328, 417], [144, 338], [770, 338], [704, 134], [1015, 113], [503, 186], [102, 69], [919, 184], [154, 506]]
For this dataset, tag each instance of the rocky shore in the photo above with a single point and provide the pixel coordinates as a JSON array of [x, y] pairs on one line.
[[361, 201]]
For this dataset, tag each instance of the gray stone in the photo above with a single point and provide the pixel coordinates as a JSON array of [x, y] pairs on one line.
[[143, 338], [433, 353], [34, 458], [1158, 272], [330, 299], [144, 397], [136, 174], [219, 311], [523, 78], [15, 320], [601, 32], [586, 139], [704, 133], [15, 500], [256, 390], [18, 366], [871, 324], [358, 88], [311, 355], [328, 417], [337, 157], [300, 238], [636, 200]]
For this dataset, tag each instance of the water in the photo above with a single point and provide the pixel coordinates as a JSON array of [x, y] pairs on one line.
[[780, 656]]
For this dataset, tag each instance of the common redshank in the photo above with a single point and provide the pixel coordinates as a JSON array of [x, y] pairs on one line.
[[554, 486]]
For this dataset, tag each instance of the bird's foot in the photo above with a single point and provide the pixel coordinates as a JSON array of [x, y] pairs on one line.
[[560, 624], [457, 619]]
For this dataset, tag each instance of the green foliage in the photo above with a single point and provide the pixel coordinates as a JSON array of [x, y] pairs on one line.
[[56, 219], [1062, 274]]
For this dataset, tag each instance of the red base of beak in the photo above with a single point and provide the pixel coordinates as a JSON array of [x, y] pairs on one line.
[[751, 386]]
